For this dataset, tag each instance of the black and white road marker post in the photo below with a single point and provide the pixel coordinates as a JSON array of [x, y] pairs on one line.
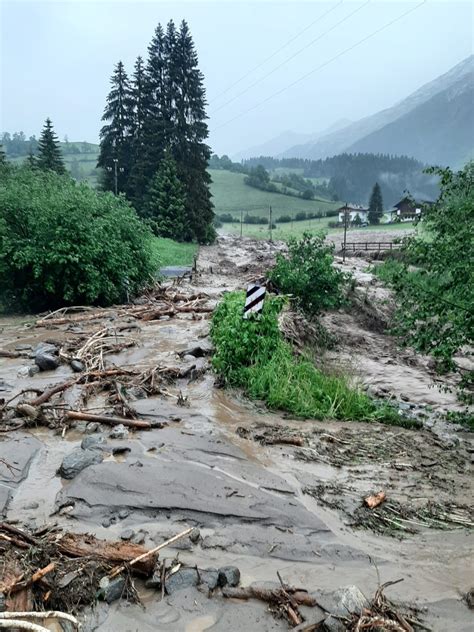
[[254, 299]]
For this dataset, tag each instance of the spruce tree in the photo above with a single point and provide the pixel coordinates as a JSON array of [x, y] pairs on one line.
[[165, 206], [375, 205], [188, 133], [115, 135], [31, 160], [3, 157], [49, 153]]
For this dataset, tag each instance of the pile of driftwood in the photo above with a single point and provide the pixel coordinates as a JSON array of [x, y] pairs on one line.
[[163, 301], [48, 573]]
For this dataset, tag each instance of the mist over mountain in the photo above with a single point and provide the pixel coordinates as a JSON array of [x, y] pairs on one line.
[[434, 124]]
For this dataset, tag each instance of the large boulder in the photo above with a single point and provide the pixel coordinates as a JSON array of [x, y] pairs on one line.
[[78, 460]]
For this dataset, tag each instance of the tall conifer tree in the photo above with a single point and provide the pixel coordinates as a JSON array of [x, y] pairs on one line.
[[115, 135], [375, 205], [189, 132], [165, 206], [49, 152]]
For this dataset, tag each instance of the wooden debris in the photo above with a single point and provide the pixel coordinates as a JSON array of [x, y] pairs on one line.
[[86, 545], [111, 421], [375, 500]]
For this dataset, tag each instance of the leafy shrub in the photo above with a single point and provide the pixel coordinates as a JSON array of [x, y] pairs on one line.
[[301, 215], [63, 243], [227, 217], [308, 274], [252, 354], [284, 219], [435, 298]]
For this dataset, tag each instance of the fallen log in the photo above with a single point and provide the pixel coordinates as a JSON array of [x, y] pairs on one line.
[[299, 441], [22, 584], [86, 545], [59, 388], [45, 322], [5, 526], [111, 421], [9, 354], [273, 596]]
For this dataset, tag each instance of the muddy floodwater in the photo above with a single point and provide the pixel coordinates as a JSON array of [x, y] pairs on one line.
[[217, 462]]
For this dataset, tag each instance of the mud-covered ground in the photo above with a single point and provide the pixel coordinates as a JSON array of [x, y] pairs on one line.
[[268, 493]]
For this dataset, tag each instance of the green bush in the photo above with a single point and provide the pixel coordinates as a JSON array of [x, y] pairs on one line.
[[308, 274], [63, 243], [252, 354]]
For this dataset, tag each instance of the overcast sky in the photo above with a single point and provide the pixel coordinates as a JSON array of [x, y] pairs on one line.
[[57, 57]]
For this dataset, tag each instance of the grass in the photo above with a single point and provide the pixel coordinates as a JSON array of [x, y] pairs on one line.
[[232, 195], [296, 229], [172, 253], [252, 354]]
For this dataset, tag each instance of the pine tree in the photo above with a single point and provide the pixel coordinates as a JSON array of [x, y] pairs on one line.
[[115, 153], [189, 131], [375, 205], [49, 153], [31, 160], [165, 206]]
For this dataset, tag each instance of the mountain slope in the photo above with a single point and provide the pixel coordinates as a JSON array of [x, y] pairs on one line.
[[439, 131], [347, 137]]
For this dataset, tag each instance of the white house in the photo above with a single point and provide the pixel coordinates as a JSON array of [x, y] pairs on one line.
[[351, 211]]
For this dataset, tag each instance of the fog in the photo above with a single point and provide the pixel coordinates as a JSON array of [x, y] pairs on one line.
[[268, 66]]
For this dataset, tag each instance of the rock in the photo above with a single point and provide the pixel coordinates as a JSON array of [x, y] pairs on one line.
[[199, 351], [229, 576], [469, 598], [91, 427], [33, 370], [210, 577], [111, 590], [342, 603], [32, 505], [77, 366], [77, 461], [24, 371], [94, 442], [195, 535], [121, 449], [127, 534], [138, 538], [123, 513], [118, 432], [184, 578], [106, 522], [46, 361], [23, 348], [44, 347]]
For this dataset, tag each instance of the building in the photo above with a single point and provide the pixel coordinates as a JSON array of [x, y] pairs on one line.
[[352, 211], [408, 209]]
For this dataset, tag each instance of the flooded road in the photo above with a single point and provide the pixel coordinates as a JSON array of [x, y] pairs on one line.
[[263, 507]]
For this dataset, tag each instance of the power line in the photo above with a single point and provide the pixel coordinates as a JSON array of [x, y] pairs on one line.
[[262, 63], [305, 76], [285, 61]]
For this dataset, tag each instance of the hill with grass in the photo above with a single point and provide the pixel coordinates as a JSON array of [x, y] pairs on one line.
[[231, 195]]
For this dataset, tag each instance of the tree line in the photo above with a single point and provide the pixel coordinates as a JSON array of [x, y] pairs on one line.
[[350, 177], [152, 144]]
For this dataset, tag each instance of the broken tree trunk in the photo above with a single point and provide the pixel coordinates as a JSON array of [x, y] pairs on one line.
[[111, 421], [85, 545], [275, 596]]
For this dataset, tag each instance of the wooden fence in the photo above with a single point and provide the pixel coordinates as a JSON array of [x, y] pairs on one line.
[[357, 246]]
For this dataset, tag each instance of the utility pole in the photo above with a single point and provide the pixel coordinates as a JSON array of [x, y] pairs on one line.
[[241, 221], [345, 233], [270, 224], [115, 169]]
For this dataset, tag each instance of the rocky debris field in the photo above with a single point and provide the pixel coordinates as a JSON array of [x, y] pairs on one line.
[[111, 425]]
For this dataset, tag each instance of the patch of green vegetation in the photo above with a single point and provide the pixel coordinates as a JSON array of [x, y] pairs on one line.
[[252, 354], [463, 418], [435, 295], [308, 274], [232, 195], [167, 252], [62, 243]]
